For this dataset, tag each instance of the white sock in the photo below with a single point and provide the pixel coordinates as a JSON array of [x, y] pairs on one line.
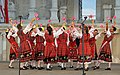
[[48, 65], [109, 65], [62, 65], [21, 65], [11, 61], [39, 63], [78, 65], [81, 65], [95, 62], [65, 65], [98, 63], [59, 63], [31, 63], [34, 63], [86, 65], [26, 63], [71, 63]]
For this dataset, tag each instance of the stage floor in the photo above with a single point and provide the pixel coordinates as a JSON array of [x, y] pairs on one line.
[[4, 70]]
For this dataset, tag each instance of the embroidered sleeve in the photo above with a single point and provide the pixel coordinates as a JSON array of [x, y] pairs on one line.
[[27, 28], [60, 31], [9, 34]]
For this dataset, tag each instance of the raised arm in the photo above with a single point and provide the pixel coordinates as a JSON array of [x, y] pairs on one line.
[[57, 33], [29, 26], [67, 39], [13, 26], [40, 33], [99, 35], [15, 34], [9, 34], [108, 33], [77, 34]]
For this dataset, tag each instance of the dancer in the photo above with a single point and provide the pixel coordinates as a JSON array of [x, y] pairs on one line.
[[10, 35], [62, 50], [39, 49], [105, 50], [25, 49]]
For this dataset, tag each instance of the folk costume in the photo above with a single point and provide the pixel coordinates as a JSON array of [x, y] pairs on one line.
[[50, 47], [62, 50], [39, 49], [72, 52], [105, 50], [25, 45], [14, 47]]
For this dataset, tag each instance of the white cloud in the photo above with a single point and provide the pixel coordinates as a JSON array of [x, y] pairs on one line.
[[87, 12]]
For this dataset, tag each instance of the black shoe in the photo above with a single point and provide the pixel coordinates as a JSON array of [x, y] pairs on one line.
[[108, 69], [77, 69], [81, 68], [42, 68], [94, 68], [71, 66], [39, 68], [11, 67], [86, 69], [51, 66], [34, 67], [64, 68], [25, 67], [31, 67], [59, 66], [97, 67], [49, 69]]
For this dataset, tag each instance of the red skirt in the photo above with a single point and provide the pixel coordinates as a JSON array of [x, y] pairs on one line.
[[87, 52], [25, 51], [39, 51], [94, 51], [13, 54], [32, 46], [14, 51], [105, 53], [72, 53], [62, 52], [50, 53]]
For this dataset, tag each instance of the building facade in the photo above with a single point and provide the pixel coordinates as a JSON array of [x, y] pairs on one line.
[[47, 9], [107, 8]]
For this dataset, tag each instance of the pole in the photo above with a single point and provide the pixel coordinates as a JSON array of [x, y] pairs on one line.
[[20, 17], [80, 11], [6, 11], [83, 45]]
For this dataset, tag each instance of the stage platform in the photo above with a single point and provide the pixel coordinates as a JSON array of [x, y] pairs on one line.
[[4, 70]]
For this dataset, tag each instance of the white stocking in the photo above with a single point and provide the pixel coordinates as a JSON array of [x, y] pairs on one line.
[[11, 61], [38, 63], [48, 65], [109, 65]]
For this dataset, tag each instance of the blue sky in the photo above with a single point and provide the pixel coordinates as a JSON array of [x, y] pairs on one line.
[[89, 4], [89, 7]]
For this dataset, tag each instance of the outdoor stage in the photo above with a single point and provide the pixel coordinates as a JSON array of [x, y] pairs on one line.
[[4, 70]]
